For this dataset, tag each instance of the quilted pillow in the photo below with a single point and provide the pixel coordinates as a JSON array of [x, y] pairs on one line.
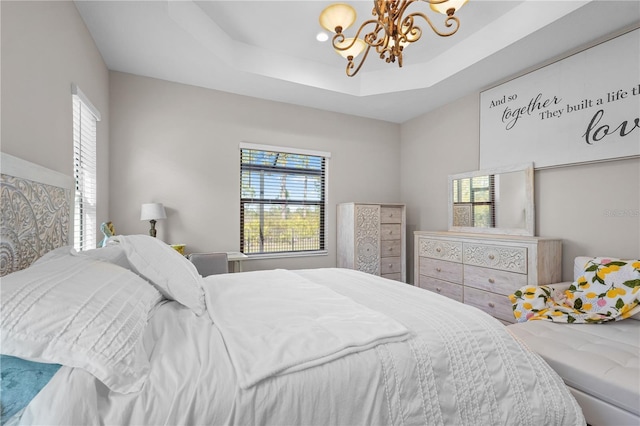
[[79, 312], [170, 272], [55, 254], [111, 254], [606, 290]]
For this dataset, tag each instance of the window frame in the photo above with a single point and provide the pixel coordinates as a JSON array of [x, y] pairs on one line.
[[324, 207], [85, 226]]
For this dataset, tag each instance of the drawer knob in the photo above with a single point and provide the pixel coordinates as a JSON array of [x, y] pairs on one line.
[[438, 270], [390, 248], [438, 289], [492, 305], [491, 280], [438, 250], [391, 265], [491, 257]]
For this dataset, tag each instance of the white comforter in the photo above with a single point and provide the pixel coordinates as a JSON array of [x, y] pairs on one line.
[[458, 366], [277, 322]]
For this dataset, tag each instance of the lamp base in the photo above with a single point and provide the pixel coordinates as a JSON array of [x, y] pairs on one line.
[[152, 231]]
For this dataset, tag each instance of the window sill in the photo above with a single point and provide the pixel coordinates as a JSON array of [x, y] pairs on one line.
[[287, 255]]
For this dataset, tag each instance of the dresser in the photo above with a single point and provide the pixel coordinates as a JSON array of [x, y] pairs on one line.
[[372, 238], [483, 269]]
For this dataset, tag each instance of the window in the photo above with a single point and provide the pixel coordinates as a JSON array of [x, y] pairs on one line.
[[282, 201], [85, 117], [478, 193]]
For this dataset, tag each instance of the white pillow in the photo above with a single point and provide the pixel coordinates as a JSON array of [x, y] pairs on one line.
[[56, 253], [82, 313], [169, 271], [112, 254]]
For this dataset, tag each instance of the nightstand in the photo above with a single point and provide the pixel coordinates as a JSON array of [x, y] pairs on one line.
[[236, 258]]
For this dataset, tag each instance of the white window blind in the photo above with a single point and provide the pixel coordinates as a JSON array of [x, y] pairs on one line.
[[478, 195], [282, 201], [85, 118]]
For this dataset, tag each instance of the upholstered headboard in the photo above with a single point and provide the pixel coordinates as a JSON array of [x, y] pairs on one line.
[[37, 211]]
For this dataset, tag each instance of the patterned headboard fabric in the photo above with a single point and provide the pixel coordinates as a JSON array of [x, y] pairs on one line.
[[37, 211]]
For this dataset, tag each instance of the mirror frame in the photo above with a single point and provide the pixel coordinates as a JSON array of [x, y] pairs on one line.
[[529, 226]]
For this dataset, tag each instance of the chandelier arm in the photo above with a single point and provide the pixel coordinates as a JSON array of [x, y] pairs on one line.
[[412, 32], [395, 32], [451, 21], [376, 8], [403, 7], [387, 11], [373, 38], [390, 14], [350, 63], [340, 37]]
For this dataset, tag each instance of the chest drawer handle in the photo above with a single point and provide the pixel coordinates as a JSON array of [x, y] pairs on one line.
[[438, 289], [390, 248], [438, 270], [492, 305], [438, 250], [491, 280], [491, 257]]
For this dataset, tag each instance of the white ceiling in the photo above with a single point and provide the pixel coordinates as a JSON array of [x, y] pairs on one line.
[[267, 49]]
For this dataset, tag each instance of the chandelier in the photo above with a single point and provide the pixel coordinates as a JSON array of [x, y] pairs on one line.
[[390, 31]]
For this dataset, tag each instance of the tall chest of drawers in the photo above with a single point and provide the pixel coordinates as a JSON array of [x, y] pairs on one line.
[[372, 239], [482, 270]]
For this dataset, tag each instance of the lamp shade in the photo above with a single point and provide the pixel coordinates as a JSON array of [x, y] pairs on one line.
[[152, 211], [337, 15], [450, 4]]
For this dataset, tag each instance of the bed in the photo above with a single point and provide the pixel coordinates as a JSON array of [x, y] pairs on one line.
[[136, 336]]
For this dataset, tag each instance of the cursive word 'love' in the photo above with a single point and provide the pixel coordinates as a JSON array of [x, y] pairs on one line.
[[596, 132]]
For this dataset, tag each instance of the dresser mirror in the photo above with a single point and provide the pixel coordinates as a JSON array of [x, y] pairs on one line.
[[495, 201]]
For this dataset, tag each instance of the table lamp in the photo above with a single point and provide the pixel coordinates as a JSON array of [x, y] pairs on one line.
[[152, 212]]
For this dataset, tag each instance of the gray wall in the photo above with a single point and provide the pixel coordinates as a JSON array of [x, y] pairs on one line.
[[178, 145], [45, 48], [593, 208]]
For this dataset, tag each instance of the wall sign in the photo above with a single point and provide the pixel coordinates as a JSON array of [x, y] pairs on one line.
[[583, 108]]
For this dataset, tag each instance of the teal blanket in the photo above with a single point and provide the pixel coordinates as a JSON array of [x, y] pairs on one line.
[[20, 381]]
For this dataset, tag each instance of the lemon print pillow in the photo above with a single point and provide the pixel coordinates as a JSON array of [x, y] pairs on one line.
[[607, 290]]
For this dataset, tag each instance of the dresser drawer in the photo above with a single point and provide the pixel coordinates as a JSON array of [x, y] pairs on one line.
[[513, 259], [390, 214], [395, 277], [390, 248], [450, 290], [495, 305], [390, 231], [390, 265], [441, 249], [441, 269], [496, 281]]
